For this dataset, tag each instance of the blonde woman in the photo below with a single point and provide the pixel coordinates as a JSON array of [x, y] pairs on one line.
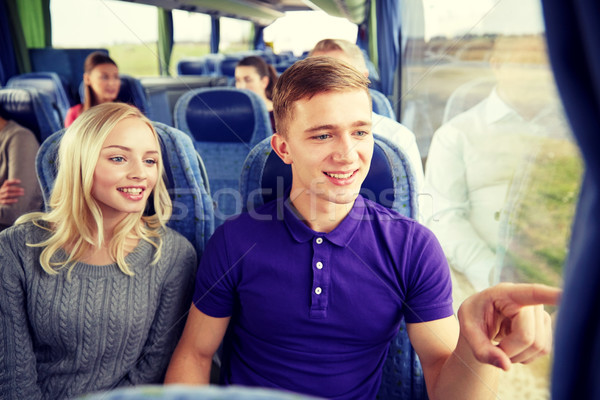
[[93, 293]]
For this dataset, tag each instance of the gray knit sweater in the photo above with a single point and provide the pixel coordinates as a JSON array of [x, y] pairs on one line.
[[101, 329]]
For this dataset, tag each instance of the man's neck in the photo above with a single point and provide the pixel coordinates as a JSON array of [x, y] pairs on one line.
[[318, 214]]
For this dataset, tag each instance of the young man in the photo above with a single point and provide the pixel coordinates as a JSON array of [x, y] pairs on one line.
[[387, 127], [312, 297]]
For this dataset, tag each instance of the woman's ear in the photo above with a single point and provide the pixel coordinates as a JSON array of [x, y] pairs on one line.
[[264, 82], [281, 147], [86, 78]]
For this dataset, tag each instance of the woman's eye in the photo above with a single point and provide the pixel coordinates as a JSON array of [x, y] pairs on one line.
[[151, 161], [117, 159]]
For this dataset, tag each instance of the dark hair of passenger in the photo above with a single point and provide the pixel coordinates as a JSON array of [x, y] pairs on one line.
[[92, 61], [263, 69]]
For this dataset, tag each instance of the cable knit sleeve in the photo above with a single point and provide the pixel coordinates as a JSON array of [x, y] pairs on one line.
[[174, 303], [18, 376]]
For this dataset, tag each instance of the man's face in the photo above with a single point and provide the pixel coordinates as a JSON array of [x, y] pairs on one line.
[[329, 145]]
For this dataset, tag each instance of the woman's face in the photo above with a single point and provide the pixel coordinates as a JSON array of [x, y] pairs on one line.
[[246, 77], [127, 169], [104, 81]]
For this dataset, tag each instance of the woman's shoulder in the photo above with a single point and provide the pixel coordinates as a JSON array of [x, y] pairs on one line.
[[29, 231], [174, 242], [72, 114]]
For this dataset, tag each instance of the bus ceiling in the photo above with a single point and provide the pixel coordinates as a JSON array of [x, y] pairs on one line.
[[264, 12]]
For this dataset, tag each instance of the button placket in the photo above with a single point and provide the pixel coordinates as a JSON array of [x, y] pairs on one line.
[[320, 282]]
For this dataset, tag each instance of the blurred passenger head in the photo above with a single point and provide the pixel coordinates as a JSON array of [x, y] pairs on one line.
[[254, 74], [101, 79], [309, 77], [342, 50]]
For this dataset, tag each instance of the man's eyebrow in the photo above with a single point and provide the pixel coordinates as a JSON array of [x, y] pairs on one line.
[[355, 124]]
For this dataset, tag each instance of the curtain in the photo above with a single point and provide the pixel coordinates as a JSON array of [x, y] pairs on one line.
[[20, 55], [573, 31], [165, 40], [388, 42], [259, 39], [215, 33], [35, 19]]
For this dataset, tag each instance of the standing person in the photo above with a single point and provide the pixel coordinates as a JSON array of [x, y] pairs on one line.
[[93, 292], [313, 297], [253, 73], [102, 84], [19, 189]]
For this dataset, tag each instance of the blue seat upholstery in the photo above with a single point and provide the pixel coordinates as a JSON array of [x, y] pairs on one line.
[[382, 105], [181, 392], [391, 183], [131, 92], [224, 123], [192, 66], [48, 83], [31, 109], [186, 181], [228, 65]]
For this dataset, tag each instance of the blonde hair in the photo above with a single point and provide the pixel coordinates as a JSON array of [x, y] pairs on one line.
[[75, 219], [352, 51], [309, 77]]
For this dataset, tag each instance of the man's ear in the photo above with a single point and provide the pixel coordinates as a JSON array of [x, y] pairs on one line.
[[280, 146]]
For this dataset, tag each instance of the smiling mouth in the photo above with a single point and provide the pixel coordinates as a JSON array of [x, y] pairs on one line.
[[340, 176], [131, 190]]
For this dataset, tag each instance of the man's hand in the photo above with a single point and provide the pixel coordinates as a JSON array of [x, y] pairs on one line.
[[507, 323], [10, 191]]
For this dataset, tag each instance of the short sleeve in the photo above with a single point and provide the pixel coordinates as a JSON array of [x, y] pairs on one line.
[[429, 286], [215, 279]]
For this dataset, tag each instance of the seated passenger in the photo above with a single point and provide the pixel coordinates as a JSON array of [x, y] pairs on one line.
[[393, 130], [102, 84], [313, 296], [19, 188], [93, 292], [254, 74]]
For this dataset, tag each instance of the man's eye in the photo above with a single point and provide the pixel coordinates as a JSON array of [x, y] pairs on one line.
[[362, 133], [322, 137]]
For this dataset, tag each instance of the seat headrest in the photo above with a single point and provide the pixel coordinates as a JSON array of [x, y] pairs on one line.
[[31, 109], [220, 116]]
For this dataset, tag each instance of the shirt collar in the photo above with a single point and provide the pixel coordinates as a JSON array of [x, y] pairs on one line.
[[340, 236], [496, 109]]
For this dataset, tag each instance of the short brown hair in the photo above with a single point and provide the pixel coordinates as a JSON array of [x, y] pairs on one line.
[[308, 78]]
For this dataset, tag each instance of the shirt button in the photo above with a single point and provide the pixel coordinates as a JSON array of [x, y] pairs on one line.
[[319, 265], [318, 290], [319, 240]]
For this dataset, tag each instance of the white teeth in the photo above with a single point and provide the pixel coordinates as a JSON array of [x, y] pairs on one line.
[[340, 176], [131, 190]]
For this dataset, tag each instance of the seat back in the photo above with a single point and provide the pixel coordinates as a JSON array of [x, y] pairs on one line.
[[228, 65], [382, 105], [131, 92], [48, 83], [191, 66], [185, 179], [390, 182], [30, 108], [224, 124]]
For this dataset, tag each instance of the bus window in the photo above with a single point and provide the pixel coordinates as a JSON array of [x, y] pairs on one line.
[[191, 34], [502, 170], [236, 35], [128, 31]]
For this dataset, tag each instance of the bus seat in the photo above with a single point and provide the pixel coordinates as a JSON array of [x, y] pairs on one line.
[[228, 65], [182, 392], [224, 123], [391, 183], [467, 96], [131, 92], [185, 179], [31, 109], [213, 63], [382, 105], [192, 66], [48, 83]]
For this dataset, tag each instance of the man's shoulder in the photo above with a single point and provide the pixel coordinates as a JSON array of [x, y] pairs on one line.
[[14, 130]]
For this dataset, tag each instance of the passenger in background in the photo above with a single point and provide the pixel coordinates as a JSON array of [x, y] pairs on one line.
[[387, 127], [19, 188], [102, 84], [94, 292], [253, 73]]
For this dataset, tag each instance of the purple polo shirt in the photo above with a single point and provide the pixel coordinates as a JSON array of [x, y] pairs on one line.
[[314, 313]]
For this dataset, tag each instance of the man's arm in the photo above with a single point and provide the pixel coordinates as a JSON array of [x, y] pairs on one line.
[[192, 358], [499, 326]]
